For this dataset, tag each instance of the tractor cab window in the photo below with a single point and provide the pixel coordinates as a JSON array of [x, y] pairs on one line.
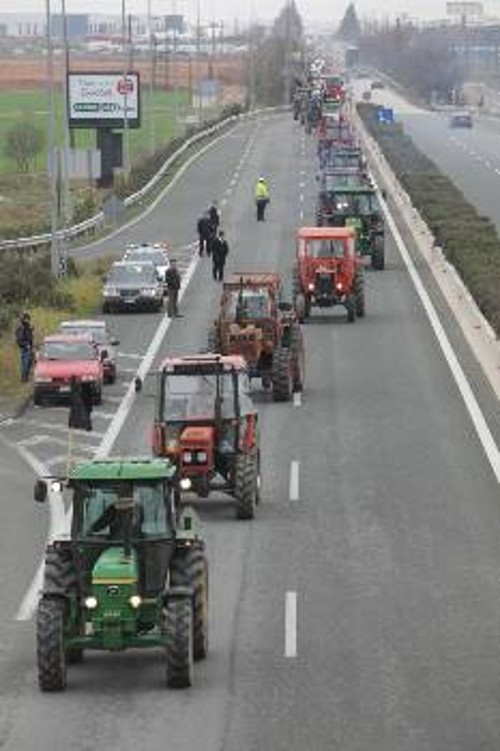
[[248, 303], [105, 510], [190, 397], [326, 248]]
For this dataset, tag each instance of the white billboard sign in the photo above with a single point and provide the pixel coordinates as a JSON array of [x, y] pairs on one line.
[[98, 100]]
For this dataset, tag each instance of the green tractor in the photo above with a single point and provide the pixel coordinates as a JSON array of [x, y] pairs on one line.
[[350, 200], [132, 572]]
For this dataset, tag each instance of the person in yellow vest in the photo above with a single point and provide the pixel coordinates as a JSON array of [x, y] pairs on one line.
[[261, 198]]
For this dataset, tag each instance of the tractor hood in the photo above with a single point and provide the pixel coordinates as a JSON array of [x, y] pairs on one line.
[[114, 567]]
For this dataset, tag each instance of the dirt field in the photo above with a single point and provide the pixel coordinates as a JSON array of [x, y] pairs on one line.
[[25, 73]]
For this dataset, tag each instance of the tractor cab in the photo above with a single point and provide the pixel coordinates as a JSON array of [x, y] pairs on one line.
[[327, 271], [351, 201], [206, 423]]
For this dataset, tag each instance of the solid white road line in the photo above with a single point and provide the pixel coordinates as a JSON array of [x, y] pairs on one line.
[[291, 624], [294, 481], [126, 404], [476, 415], [58, 524]]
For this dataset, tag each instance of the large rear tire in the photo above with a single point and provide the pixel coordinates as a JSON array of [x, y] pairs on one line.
[[189, 569], [350, 305], [282, 375], [247, 481], [179, 650], [359, 293], [50, 645], [378, 253]]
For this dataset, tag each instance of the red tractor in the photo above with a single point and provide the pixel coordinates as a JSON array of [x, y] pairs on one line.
[[328, 272], [254, 322], [207, 425]]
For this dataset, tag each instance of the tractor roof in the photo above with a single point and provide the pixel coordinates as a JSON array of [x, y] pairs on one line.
[[253, 279], [206, 363], [325, 233], [123, 469]]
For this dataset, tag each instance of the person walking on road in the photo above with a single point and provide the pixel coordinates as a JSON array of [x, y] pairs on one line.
[[204, 232], [24, 340], [213, 215], [173, 282], [261, 198], [220, 251]]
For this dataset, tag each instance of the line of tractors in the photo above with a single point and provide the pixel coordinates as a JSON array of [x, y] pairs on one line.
[[132, 570]]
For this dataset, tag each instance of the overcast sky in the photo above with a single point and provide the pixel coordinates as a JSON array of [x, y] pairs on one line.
[[243, 9]]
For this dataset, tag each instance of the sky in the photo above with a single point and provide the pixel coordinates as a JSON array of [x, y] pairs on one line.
[[310, 10]]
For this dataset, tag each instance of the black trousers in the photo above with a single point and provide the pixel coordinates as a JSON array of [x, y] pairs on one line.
[[261, 209], [218, 271]]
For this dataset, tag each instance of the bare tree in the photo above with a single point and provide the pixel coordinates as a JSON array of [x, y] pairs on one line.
[[24, 142]]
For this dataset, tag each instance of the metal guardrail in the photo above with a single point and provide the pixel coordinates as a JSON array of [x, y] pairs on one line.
[[96, 221]]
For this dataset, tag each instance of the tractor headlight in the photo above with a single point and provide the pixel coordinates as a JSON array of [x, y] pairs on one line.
[[56, 486], [91, 602], [135, 601], [187, 457], [339, 286], [185, 483], [310, 286]]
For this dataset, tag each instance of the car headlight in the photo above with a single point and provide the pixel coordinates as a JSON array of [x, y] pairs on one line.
[[88, 378], [110, 292], [91, 602], [148, 291], [43, 379], [135, 601], [187, 457]]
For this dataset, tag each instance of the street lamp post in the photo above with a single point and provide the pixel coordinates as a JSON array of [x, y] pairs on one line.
[[152, 124], [126, 154], [52, 160]]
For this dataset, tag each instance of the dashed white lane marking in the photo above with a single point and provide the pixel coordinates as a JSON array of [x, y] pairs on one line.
[[476, 415], [130, 355], [223, 202], [297, 398], [294, 481], [497, 171], [487, 164], [128, 370], [291, 624]]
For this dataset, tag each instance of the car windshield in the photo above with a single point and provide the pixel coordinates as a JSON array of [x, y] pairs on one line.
[[247, 303], [153, 256], [321, 248], [132, 272], [68, 351], [104, 507], [98, 333], [193, 397]]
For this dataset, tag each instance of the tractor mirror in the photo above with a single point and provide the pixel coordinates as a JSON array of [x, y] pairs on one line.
[[138, 384], [41, 491]]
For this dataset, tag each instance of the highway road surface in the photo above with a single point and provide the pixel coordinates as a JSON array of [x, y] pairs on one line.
[[360, 610]]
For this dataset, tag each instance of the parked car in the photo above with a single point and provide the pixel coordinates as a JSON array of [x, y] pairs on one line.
[[132, 286], [62, 357], [156, 254], [461, 120], [106, 344]]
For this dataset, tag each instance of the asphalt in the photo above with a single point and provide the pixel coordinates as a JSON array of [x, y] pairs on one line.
[[391, 548]]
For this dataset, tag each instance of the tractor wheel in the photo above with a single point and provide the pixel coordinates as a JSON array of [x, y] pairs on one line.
[[282, 375], [179, 651], [359, 293], [50, 645], [60, 575], [351, 308], [378, 253], [247, 482], [297, 347], [213, 341], [189, 569]]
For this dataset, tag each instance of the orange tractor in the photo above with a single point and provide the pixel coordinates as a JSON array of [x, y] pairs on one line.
[[254, 322], [207, 425], [328, 272]]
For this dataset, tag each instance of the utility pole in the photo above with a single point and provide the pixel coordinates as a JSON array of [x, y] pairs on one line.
[[126, 150], [52, 161], [198, 57], [152, 124], [66, 208]]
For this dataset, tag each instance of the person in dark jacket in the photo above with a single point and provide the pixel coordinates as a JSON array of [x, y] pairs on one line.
[[24, 340], [173, 282], [204, 228], [213, 215], [220, 251]]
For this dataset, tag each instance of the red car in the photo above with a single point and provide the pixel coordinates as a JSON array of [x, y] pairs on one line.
[[62, 357]]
